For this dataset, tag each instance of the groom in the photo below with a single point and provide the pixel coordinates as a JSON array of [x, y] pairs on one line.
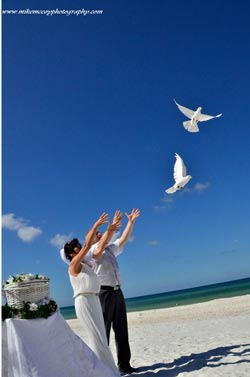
[[111, 296]]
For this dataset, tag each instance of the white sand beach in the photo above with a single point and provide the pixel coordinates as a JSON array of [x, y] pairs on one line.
[[207, 339]]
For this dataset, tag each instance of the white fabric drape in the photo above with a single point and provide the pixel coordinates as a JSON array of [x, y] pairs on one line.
[[47, 348]]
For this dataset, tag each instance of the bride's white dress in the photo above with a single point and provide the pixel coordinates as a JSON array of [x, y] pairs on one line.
[[86, 287]]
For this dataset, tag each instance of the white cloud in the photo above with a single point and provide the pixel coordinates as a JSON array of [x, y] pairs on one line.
[[9, 221], [158, 208], [168, 199], [153, 243], [167, 203], [25, 232], [60, 239], [198, 187], [201, 186], [28, 233], [229, 251]]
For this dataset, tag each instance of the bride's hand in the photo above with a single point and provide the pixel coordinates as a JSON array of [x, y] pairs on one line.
[[104, 218]]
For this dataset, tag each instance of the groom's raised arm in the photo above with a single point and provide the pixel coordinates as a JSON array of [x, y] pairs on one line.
[[129, 227]]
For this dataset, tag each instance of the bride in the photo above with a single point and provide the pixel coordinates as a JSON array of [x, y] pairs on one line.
[[86, 288]]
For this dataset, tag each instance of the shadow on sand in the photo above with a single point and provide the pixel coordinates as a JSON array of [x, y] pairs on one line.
[[196, 361]]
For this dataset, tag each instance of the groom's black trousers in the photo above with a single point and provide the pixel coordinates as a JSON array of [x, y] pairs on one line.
[[114, 313]]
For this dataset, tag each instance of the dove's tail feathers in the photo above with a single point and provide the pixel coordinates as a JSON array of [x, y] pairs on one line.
[[171, 190], [191, 126]]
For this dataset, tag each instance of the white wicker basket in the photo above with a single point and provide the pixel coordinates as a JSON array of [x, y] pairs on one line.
[[31, 291]]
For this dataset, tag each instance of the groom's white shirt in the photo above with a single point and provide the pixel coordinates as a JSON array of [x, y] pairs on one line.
[[106, 267]]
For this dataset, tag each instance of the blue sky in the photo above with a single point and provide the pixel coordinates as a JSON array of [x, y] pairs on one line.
[[89, 125]]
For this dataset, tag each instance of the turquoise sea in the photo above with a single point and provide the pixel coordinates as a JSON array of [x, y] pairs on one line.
[[181, 297]]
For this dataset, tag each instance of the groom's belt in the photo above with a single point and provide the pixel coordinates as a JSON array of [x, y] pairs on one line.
[[110, 288]]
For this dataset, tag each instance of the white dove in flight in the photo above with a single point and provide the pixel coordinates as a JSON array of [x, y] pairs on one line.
[[195, 117], [180, 177]]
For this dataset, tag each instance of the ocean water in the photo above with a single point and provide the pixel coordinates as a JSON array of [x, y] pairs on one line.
[[181, 297]]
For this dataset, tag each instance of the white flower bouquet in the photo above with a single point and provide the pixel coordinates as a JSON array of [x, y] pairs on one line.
[[20, 278]]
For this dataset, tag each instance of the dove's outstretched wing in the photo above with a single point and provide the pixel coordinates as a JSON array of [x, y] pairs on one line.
[[171, 190], [180, 170], [189, 113], [204, 117]]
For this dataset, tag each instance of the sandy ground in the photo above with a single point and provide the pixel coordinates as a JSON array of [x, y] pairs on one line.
[[208, 339]]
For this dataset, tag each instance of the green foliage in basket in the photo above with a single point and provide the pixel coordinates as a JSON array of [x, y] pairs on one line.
[[29, 310]]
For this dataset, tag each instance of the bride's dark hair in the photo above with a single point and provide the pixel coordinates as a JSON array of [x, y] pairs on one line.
[[69, 247]]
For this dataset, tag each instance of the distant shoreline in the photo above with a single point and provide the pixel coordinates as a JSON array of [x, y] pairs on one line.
[[180, 298], [193, 288]]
